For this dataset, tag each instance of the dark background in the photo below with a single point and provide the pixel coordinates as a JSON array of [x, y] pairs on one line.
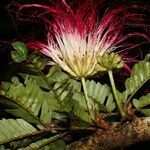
[[8, 27]]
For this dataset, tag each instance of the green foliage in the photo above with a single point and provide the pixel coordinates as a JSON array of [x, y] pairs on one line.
[[101, 95], [10, 129], [65, 91], [37, 61], [78, 107], [139, 76], [20, 53], [51, 102], [29, 97], [55, 75], [123, 96], [18, 133], [142, 103]]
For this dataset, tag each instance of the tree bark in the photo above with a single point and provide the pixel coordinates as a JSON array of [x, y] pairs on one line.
[[117, 137]]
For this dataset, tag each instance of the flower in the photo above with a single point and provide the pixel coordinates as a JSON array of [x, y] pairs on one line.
[[76, 34]]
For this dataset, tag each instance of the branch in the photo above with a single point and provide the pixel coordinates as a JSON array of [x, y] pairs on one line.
[[119, 137]]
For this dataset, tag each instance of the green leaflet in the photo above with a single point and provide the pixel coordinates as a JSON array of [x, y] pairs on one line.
[[37, 60], [65, 88], [29, 97], [11, 129], [142, 103], [101, 96], [71, 99], [79, 107], [20, 53], [123, 96], [55, 74], [139, 75]]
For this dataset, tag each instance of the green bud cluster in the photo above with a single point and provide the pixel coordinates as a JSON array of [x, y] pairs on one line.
[[109, 62]]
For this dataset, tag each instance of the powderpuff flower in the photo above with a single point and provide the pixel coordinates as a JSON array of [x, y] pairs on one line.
[[76, 33]]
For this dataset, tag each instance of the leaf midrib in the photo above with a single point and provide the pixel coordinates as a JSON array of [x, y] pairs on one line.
[[24, 108]]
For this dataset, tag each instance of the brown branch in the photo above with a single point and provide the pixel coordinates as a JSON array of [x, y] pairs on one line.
[[117, 138], [48, 130]]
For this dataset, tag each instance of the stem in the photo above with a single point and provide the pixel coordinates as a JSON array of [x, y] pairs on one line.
[[118, 101], [87, 98]]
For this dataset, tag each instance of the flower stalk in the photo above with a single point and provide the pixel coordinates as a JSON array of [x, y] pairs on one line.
[[108, 62], [87, 98], [118, 101]]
